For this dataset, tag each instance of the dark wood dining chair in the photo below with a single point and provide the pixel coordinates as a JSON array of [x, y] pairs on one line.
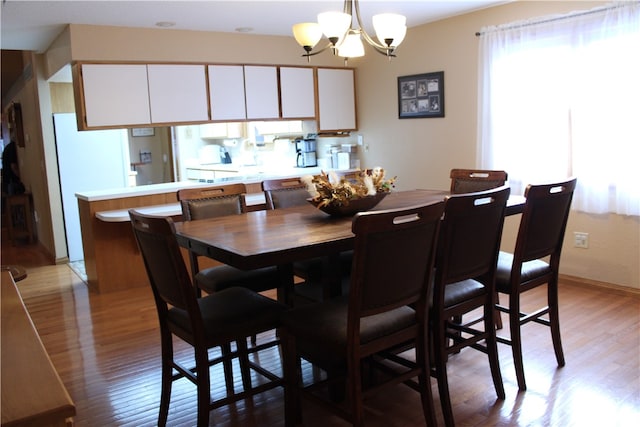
[[285, 192], [465, 268], [215, 320], [211, 202], [392, 268], [540, 235], [472, 180]]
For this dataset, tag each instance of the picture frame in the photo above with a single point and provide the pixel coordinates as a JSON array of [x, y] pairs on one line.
[[143, 131], [421, 95]]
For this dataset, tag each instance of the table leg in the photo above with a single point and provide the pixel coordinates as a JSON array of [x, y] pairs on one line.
[[285, 291]]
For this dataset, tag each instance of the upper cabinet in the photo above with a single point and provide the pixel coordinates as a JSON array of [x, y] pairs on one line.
[[111, 95], [177, 93], [261, 92], [336, 99], [297, 93], [226, 87], [129, 95]]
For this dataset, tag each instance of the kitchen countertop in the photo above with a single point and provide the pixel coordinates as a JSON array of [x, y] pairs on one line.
[[249, 177]]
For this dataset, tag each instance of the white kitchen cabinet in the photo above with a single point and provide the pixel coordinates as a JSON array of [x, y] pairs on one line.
[[336, 99], [226, 88], [112, 95], [222, 130], [261, 86], [297, 93], [177, 93]]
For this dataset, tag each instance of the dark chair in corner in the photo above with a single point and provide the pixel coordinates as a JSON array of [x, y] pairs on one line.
[[465, 269], [392, 268], [540, 235], [215, 201], [212, 321], [287, 192], [472, 180]]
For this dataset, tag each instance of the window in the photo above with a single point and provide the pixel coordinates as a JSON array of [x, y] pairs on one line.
[[561, 97]]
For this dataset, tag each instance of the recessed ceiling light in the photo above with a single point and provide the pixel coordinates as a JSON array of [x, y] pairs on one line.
[[244, 29], [165, 24]]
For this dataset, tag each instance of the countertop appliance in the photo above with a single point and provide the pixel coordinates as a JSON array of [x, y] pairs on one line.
[[306, 152]]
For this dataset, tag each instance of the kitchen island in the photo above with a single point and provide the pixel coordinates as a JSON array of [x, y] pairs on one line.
[[111, 257]]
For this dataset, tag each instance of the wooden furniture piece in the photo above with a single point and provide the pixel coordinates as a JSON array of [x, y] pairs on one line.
[[216, 320], [18, 272], [393, 265], [32, 392], [471, 180], [216, 201], [283, 236], [284, 193], [20, 217], [535, 262], [465, 269]]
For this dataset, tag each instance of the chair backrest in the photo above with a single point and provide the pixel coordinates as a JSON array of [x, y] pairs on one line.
[[470, 237], [284, 193], [393, 259], [544, 221], [163, 261], [472, 180], [209, 202]]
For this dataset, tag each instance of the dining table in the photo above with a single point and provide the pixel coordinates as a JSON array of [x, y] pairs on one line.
[[281, 237]]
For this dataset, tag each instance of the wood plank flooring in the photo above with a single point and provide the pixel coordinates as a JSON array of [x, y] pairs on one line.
[[106, 349]]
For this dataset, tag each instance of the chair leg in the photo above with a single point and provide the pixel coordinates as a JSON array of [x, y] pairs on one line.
[[440, 340], [203, 385], [516, 340], [167, 382], [243, 359], [492, 348], [497, 314], [354, 384], [424, 380], [227, 366], [554, 320]]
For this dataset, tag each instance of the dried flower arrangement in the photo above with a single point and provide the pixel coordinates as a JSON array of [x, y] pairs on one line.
[[330, 189]]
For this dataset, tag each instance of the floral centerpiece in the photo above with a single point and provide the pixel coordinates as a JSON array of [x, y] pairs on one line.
[[340, 196]]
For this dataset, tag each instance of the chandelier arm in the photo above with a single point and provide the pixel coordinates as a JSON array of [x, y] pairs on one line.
[[379, 47], [328, 46]]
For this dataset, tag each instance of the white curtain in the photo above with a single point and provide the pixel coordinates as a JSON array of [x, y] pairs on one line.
[[560, 97]]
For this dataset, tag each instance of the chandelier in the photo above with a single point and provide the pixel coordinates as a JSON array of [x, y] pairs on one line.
[[345, 40]]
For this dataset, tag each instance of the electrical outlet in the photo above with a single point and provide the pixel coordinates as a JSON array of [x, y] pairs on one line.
[[580, 240]]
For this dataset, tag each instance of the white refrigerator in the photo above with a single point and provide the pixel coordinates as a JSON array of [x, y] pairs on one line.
[[87, 161]]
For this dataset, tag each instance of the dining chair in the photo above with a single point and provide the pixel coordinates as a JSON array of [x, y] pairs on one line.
[[472, 180], [212, 321], [392, 268], [465, 268], [214, 201], [540, 235], [285, 192]]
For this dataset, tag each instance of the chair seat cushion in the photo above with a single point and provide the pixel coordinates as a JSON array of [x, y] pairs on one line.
[[221, 277], [229, 314], [321, 329], [530, 270], [455, 293]]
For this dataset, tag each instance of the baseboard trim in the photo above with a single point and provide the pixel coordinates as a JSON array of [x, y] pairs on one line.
[[581, 281]]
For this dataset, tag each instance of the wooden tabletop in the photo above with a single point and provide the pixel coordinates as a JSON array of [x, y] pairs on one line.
[[32, 392], [281, 236]]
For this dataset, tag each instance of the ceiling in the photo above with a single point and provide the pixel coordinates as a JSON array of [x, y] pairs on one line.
[[33, 25]]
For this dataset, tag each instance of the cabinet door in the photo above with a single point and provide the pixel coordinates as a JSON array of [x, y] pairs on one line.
[[336, 99], [297, 93], [226, 88], [114, 95], [261, 85], [177, 93]]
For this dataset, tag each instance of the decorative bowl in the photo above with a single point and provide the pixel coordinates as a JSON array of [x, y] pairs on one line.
[[355, 205]]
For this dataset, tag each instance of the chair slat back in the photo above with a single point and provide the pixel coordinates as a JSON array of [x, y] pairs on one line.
[[284, 193], [393, 258], [210, 202], [470, 235], [163, 260], [473, 180], [544, 220]]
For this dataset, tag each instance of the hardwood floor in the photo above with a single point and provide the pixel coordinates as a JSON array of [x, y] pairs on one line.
[[106, 349]]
